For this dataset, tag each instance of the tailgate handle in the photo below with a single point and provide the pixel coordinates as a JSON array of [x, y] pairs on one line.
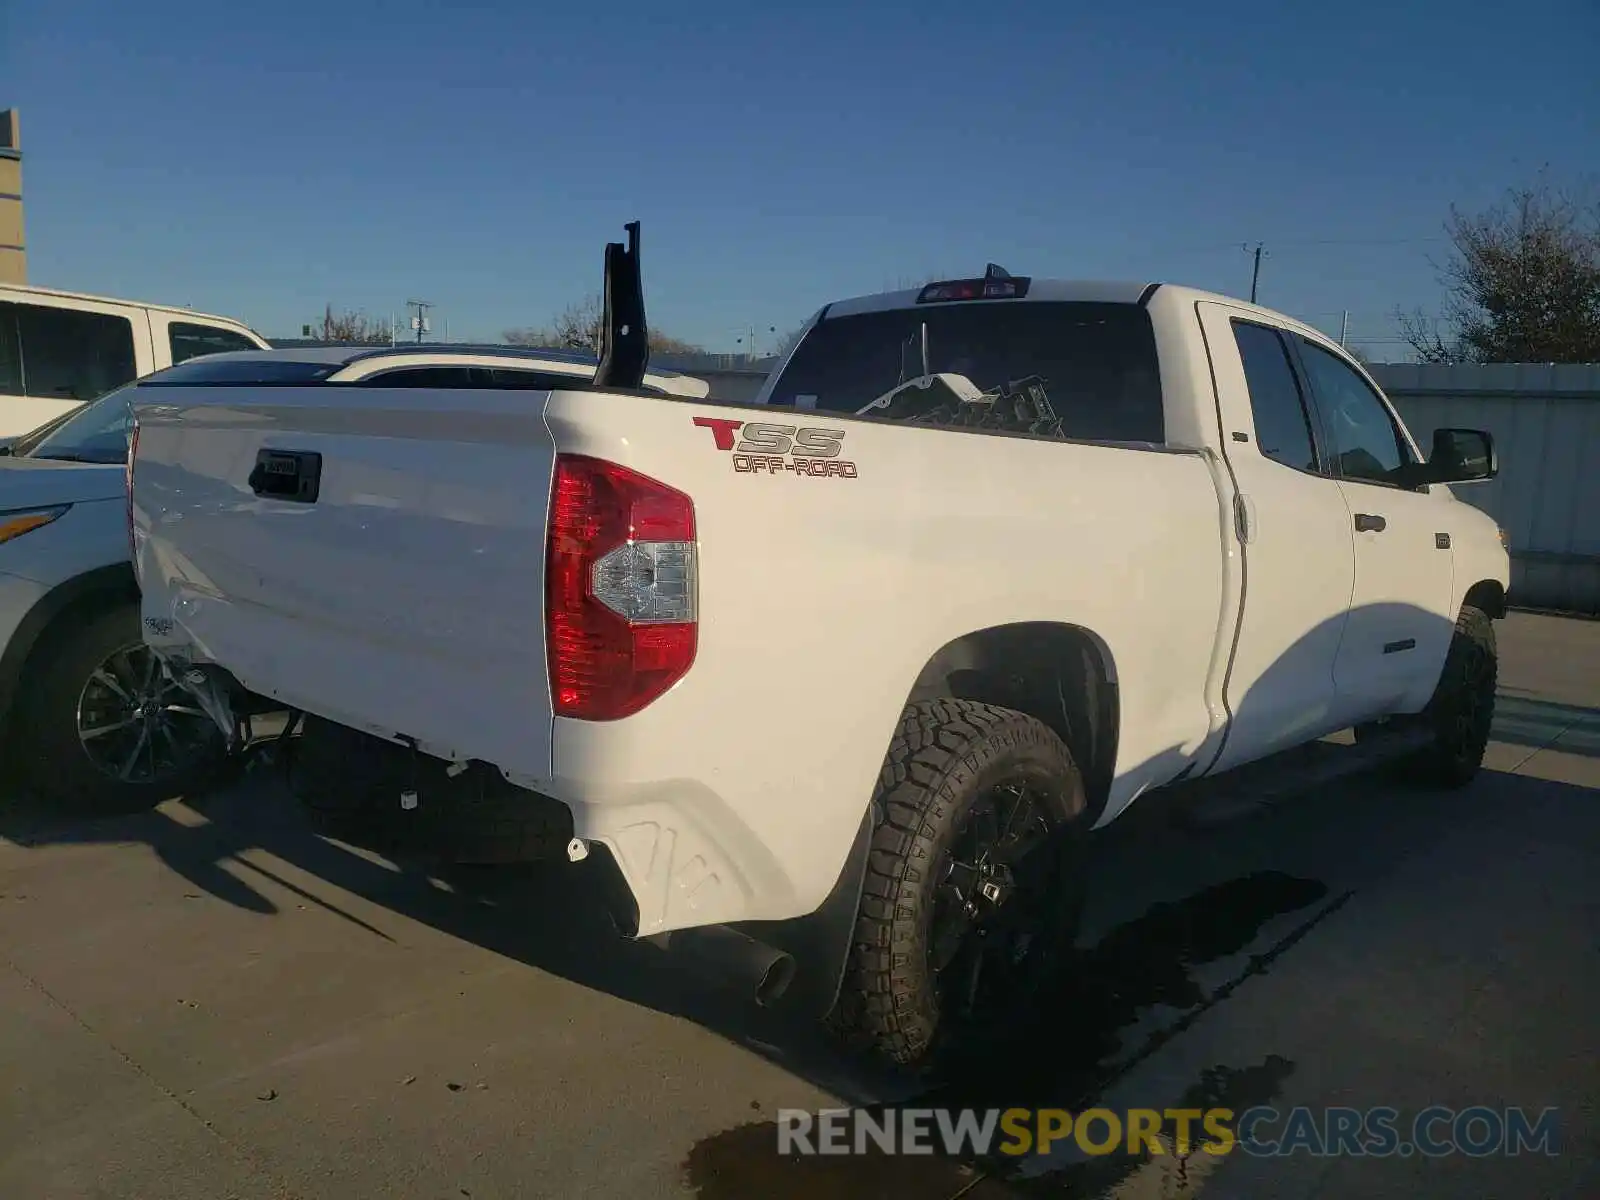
[[293, 475]]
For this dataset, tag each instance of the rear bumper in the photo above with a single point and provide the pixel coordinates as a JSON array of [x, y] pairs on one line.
[[468, 807], [666, 868]]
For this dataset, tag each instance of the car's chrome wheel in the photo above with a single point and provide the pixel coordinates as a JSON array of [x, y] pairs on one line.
[[137, 724]]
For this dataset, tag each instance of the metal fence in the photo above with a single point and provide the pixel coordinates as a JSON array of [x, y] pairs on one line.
[[1546, 425]]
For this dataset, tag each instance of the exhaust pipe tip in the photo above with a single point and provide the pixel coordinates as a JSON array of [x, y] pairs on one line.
[[734, 957], [775, 980]]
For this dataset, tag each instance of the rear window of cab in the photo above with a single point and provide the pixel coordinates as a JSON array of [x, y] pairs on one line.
[[1097, 361]]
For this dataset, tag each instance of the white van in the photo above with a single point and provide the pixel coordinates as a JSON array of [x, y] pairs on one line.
[[59, 350]]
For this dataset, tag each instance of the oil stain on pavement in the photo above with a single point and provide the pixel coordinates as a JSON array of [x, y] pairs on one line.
[[1064, 1059]]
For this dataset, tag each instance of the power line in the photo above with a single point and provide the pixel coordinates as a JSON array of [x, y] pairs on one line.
[[1359, 242], [1219, 247]]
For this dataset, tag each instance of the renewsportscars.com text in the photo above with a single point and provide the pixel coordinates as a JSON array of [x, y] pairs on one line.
[[1378, 1132]]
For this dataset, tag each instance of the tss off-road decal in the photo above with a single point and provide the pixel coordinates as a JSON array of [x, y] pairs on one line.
[[759, 448]]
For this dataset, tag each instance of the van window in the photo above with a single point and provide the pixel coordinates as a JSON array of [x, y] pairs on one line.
[[191, 341], [10, 351], [63, 353]]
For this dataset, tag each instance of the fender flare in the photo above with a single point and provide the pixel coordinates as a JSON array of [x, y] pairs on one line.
[[113, 582]]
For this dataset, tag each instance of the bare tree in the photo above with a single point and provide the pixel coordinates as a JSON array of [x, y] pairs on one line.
[[1522, 285], [352, 328], [1421, 333], [787, 342], [578, 327]]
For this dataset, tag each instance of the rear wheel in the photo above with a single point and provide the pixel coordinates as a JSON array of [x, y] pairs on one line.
[[971, 899], [106, 725]]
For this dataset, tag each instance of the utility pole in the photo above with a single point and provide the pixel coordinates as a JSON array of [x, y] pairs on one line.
[[420, 321], [1255, 276], [1344, 328]]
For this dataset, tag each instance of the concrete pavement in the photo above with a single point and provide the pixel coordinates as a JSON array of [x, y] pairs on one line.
[[207, 1001]]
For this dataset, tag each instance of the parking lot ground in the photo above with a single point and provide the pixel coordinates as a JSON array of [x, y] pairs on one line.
[[207, 1001]]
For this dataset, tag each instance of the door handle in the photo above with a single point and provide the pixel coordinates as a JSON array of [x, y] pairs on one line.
[[1370, 523]]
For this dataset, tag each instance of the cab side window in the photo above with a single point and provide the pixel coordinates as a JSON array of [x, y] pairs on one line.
[[191, 341], [1283, 428], [1365, 444]]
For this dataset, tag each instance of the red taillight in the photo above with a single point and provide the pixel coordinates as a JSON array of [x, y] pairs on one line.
[[620, 589], [133, 450]]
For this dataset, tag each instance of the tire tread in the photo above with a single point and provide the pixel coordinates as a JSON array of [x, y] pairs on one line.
[[939, 747]]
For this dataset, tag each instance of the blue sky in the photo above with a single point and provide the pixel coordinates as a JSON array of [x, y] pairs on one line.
[[261, 160]]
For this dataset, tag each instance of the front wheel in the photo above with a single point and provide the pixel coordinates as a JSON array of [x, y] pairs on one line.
[[1461, 712], [971, 898], [106, 724]]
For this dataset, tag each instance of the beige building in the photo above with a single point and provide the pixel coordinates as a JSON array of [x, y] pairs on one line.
[[13, 252]]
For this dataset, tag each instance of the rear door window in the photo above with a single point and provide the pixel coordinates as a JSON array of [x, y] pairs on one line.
[[1095, 363], [64, 353], [1283, 426], [188, 341]]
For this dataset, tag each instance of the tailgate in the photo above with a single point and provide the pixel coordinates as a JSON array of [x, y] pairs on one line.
[[374, 556]]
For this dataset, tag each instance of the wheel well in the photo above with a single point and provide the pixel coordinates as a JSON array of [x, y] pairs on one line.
[[45, 623], [1489, 596], [1060, 674]]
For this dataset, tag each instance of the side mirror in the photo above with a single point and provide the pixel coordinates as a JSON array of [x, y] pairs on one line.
[[1462, 456]]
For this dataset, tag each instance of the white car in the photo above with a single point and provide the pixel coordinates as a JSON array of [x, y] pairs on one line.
[[90, 715], [94, 718], [447, 368], [836, 681]]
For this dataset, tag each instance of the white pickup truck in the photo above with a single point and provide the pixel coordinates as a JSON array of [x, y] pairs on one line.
[[835, 681]]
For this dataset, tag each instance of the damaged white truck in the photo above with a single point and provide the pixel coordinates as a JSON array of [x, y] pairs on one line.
[[831, 687]]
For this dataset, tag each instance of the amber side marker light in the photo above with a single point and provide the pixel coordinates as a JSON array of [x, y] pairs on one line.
[[18, 522]]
